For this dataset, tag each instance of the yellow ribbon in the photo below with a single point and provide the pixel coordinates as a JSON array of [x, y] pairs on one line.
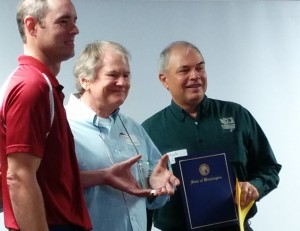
[[242, 212]]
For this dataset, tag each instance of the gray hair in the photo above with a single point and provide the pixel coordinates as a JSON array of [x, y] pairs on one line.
[[91, 60], [166, 53], [35, 8]]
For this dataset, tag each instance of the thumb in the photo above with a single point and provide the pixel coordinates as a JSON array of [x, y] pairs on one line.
[[164, 160], [133, 160]]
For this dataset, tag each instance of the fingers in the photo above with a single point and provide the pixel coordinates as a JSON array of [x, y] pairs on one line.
[[172, 184], [141, 192], [160, 191], [169, 188], [162, 179], [248, 193], [136, 190], [174, 181]]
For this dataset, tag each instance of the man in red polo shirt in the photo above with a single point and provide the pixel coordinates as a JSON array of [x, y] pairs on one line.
[[41, 182]]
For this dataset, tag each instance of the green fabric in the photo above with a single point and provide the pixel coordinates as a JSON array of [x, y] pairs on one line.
[[219, 127]]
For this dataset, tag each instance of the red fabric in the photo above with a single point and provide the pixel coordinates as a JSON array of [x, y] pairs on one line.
[[0, 188], [27, 120]]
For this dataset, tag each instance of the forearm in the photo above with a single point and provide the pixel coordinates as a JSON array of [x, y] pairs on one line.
[[28, 205], [117, 176], [25, 193], [93, 177]]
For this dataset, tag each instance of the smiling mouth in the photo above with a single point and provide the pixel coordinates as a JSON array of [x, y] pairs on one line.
[[70, 43], [194, 86]]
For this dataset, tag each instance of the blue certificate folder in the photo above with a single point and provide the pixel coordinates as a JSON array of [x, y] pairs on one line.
[[207, 191]]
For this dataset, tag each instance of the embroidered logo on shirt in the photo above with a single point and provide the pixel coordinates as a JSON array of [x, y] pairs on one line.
[[228, 123]]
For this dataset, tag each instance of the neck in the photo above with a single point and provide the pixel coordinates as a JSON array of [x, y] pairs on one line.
[[191, 109], [54, 67], [100, 110]]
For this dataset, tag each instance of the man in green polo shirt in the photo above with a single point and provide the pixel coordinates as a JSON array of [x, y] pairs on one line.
[[200, 126]]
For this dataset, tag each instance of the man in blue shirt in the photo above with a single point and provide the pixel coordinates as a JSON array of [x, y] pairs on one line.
[[105, 139]]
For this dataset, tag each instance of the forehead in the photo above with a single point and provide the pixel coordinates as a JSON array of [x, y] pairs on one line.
[[62, 7], [114, 58], [184, 56]]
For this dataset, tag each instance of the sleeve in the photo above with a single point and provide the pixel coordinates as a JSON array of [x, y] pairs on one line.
[[262, 167], [157, 202], [28, 114]]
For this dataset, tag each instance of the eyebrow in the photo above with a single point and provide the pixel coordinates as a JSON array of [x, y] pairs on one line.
[[186, 66], [66, 16], [117, 72]]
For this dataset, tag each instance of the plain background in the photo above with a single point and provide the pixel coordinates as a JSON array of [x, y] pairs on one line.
[[252, 54]]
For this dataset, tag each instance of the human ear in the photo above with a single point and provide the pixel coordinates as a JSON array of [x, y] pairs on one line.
[[30, 25], [84, 83], [163, 80]]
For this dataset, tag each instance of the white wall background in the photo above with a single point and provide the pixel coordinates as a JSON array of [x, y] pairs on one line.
[[252, 51]]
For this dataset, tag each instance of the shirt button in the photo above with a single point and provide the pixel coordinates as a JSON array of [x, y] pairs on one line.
[[196, 123]]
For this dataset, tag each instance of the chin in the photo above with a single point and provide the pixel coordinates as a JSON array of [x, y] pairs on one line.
[[118, 102], [67, 56], [197, 99]]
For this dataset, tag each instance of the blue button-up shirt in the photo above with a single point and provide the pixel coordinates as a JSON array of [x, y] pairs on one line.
[[101, 142]]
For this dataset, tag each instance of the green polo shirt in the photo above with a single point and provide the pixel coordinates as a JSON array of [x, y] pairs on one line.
[[219, 127]]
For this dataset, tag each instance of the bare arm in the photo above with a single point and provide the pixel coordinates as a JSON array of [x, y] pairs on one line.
[[117, 176], [25, 193]]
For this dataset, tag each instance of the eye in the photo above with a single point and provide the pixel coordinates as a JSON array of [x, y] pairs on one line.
[[113, 75], [127, 75], [64, 22], [200, 67], [183, 70]]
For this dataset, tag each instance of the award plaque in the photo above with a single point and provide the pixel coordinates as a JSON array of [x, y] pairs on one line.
[[207, 191]]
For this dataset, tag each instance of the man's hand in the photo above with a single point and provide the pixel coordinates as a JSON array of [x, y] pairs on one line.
[[248, 193], [117, 176], [162, 180]]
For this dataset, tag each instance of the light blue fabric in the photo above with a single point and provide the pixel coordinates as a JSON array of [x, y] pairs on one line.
[[99, 142]]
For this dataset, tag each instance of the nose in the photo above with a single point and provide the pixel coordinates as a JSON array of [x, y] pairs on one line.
[[74, 29], [123, 81], [195, 74]]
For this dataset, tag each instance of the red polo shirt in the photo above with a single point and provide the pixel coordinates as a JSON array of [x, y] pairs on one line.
[[26, 114]]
